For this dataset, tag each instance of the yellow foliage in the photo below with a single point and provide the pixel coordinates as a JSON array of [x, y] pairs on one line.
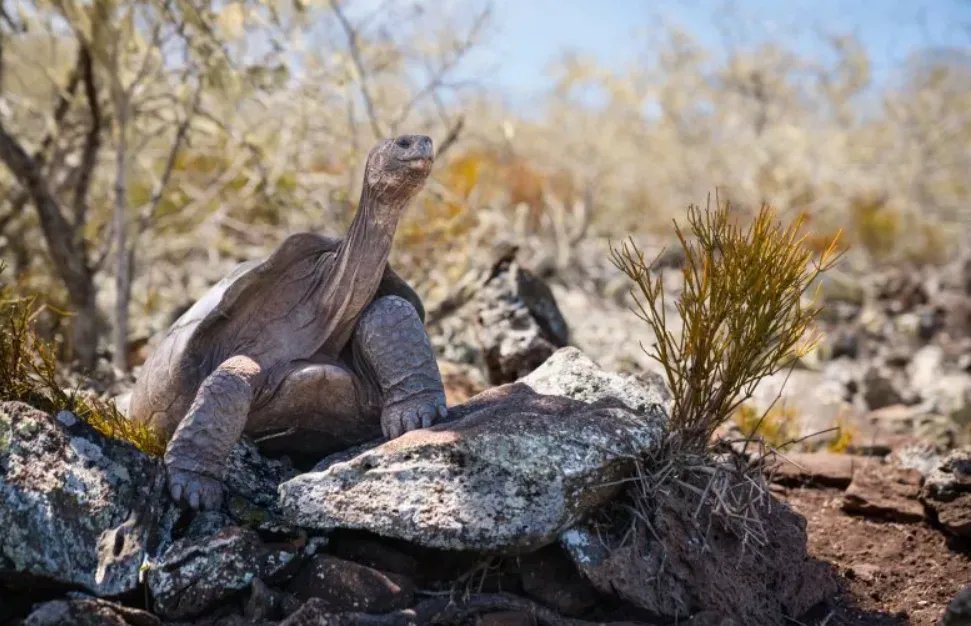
[[876, 226], [741, 308], [848, 433], [777, 427]]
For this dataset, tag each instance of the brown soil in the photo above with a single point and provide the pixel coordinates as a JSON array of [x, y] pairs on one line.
[[891, 573]]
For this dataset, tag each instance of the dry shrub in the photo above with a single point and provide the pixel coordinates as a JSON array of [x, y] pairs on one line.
[[703, 521], [29, 373], [742, 311]]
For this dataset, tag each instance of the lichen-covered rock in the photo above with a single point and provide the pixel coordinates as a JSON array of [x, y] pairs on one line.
[[947, 492], [571, 373], [509, 471], [88, 612], [76, 507], [194, 576]]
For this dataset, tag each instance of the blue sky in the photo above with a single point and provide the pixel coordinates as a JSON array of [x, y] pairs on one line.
[[533, 32]]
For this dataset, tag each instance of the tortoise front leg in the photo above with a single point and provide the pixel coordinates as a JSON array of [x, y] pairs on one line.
[[392, 351], [196, 456]]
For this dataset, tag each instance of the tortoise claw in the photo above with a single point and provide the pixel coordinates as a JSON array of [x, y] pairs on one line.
[[199, 491], [412, 414]]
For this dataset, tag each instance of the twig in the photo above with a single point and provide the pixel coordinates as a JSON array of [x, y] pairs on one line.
[[359, 67]]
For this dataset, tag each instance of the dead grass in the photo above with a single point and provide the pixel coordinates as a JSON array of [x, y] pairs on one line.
[[29, 373]]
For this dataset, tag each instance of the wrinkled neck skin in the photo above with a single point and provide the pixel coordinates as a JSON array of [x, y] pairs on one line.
[[362, 255]]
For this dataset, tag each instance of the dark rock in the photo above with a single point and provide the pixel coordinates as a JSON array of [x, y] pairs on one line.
[[376, 554], [76, 508], [947, 492], [550, 577], [697, 561], [885, 492], [958, 612], [345, 586], [194, 576], [507, 618], [88, 612], [519, 324]]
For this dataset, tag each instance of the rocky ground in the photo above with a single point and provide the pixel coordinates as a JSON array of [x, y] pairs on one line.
[[533, 504]]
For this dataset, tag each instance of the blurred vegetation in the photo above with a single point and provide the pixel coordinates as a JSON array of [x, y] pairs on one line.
[[742, 312], [30, 373], [145, 147]]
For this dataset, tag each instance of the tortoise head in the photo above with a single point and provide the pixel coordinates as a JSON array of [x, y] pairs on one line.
[[397, 169]]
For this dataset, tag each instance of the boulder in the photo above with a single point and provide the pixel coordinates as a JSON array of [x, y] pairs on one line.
[[509, 471], [76, 507]]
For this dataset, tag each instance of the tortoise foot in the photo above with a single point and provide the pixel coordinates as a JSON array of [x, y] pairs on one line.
[[198, 490], [420, 411]]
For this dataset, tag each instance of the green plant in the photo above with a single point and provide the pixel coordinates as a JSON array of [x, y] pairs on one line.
[[29, 373], [742, 311]]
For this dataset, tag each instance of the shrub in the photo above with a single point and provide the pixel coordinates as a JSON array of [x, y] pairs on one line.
[[742, 311], [29, 373], [777, 427]]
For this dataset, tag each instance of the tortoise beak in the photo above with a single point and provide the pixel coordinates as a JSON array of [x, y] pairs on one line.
[[417, 150]]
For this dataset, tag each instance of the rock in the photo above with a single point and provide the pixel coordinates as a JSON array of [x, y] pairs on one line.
[[377, 555], [551, 578], [819, 469], [518, 322], [698, 562], [885, 492], [194, 576], [507, 618], [461, 381], [509, 471], [345, 586], [958, 612], [947, 492], [572, 374], [88, 612], [879, 390], [76, 507]]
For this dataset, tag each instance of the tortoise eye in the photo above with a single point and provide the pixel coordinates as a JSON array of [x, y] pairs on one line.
[[403, 142]]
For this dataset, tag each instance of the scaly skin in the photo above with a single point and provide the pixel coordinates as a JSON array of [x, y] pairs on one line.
[[398, 359], [398, 372]]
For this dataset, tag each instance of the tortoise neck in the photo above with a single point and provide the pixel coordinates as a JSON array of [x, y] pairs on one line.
[[363, 253]]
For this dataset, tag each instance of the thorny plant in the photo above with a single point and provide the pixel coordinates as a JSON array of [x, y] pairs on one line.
[[743, 318], [29, 373]]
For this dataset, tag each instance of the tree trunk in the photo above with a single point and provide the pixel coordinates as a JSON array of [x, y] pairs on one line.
[[123, 275]]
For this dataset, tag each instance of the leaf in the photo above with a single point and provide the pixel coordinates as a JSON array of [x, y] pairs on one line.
[[232, 20]]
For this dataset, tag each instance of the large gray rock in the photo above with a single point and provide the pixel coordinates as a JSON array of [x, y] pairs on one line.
[[509, 471], [76, 507]]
